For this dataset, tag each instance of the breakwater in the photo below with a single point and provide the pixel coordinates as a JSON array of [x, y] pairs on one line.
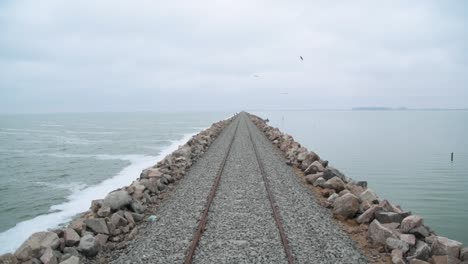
[[403, 235], [114, 220]]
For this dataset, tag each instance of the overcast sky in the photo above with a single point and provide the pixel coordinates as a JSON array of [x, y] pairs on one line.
[[111, 55]]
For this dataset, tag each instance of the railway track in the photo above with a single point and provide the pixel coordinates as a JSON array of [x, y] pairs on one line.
[[271, 200]]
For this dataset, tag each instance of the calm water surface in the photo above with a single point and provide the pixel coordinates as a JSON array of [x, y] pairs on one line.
[[404, 156]]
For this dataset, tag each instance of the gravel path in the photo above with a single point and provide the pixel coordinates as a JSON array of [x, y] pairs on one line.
[[241, 228]]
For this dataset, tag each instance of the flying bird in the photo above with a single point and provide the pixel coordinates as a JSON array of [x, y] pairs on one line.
[[256, 75], [301, 57]]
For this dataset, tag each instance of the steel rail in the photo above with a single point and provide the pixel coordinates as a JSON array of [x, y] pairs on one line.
[[211, 195], [274, 206]]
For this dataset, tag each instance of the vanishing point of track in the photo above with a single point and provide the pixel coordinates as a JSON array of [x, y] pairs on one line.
[[204, 218]]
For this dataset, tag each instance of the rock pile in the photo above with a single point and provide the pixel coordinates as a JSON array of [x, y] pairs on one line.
[[404, 235], [112, 221]]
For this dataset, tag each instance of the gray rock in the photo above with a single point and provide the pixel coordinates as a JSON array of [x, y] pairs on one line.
[[319, 182], [104, 211], [387, 206], [151, 173], [101, 240], [369, 196], [410, 222], [464, 254], [368, 215], [118, 220], [88, 246], [36, 244], [445, 260], [420, 231], [8, 259], [137, 206], [71, 237], [394, 243], [408, 238], [71, 260], [445, 246], [311, 178], [71, 250], [32, 261], [345, 206], [397, 256], [128, 216], [418, 261], [421, 251], [97, 225], [363, 184], [315, 167], [378, 234], [388, 217], [335, 183], [117, 199], [331, 172], [137, 217], [332, 197], [48, 257]]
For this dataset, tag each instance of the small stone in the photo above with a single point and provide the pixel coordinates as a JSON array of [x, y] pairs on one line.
[[78, 225], [363, 184], [137, 206], [151, 218], [332, 197], [97, 225], [387, 206], [345, 206], [420, 231], [71, 260], [104, 211], [378, 234], [410, 222], [311, 178], [71, 237], [71, 250], [88, 246], [330, 172], [128, 216], [101, 240], [319, 182], [137, 217], [445, 246]]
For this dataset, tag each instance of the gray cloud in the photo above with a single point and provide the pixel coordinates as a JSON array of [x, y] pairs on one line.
[[159, 55]]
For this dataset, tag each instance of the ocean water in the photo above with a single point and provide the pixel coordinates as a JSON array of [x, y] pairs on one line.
[[404, 156], [53, 165]]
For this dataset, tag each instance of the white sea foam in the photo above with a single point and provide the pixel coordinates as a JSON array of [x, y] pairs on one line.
[[80, 199]]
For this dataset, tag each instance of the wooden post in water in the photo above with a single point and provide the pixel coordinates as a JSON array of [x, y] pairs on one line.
[[451, 157]]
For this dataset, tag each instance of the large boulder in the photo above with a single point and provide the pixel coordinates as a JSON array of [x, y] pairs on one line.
[[71, 237], [421, 251], [410, 222], [48, 257], [387, 206], [464, 254], [151, 172], [445, 260], [71, 260], [117, 199], [311, 178], [397, 256], [8, 259], [319, 182], [445, 246], [378, 233], [369, 196], [346, 206], [331, 172], [408, 238], [315, 167], [36, 244], [88, 246], [97, 225], [394, 243], [388, 217], [117, 220], [335, 183], [369, 214]]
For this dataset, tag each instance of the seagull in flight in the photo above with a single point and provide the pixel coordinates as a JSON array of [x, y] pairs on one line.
[[256, 75], [301, 58]]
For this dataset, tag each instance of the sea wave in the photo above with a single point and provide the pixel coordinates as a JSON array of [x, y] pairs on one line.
[[80, 199]]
